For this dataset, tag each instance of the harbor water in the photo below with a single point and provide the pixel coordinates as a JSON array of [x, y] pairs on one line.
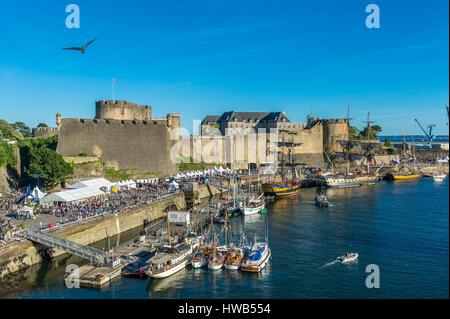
[[402, 227]]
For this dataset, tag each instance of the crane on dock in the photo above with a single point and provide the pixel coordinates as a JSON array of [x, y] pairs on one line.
[[428, 132]]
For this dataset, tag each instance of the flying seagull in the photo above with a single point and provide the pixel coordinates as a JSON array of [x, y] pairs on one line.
[[81, 49]]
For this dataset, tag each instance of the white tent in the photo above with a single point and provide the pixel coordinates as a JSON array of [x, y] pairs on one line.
[[72, 195], [36, 194], [27, 212], [93, 183]]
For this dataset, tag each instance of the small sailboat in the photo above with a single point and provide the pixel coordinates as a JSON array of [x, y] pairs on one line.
[[234, 258], [254, 206], [199, 260], [216, 259]]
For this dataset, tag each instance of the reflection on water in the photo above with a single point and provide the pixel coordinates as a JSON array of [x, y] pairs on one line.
[[401, 227]]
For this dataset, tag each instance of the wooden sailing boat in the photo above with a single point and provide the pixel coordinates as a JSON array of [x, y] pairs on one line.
[[407, 173], [287, 187]]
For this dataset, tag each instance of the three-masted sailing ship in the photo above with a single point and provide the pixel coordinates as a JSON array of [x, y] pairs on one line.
[[289, 185]]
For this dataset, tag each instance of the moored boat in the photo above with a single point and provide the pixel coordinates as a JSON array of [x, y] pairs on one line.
[[281, 190], [216, 259], [254, 206], [234, 258], [199, 260], [169, 262], [257, 258]]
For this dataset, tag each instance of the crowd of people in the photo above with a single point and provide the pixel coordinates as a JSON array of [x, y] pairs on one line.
[[110, 202], [8, 231], [113, 202]]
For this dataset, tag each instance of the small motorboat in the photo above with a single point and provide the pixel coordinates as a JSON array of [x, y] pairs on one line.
[[439, 177], [348, 258], [321, 200]]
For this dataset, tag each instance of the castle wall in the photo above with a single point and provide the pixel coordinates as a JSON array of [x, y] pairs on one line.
[[122, 110], [143, 146], [44, 132]]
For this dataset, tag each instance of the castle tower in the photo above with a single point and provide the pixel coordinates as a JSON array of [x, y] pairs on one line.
[[334, 130], [121, 110]]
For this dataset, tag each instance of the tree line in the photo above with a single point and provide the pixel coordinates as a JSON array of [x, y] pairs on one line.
[[40, 163]]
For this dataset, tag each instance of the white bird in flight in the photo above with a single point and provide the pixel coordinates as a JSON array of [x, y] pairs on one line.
[[81, 49]]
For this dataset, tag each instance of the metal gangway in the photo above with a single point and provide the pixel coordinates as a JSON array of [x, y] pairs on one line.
[[94, 255]]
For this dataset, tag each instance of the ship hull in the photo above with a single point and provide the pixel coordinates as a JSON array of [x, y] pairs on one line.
[[282, 191], [169, 272], [260, 266], [253, 210]]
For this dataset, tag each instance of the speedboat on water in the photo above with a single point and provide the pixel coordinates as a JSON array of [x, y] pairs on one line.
[[321, 200], [439, 177], [347, 258], [257, 258]]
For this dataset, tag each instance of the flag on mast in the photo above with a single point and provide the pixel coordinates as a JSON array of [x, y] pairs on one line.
[[114, 82]]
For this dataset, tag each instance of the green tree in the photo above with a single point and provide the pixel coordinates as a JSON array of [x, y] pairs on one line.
[[7, 131], [373, 134], [22, 128], [42, 125], [7, 157], [354, 133], [48, 165]]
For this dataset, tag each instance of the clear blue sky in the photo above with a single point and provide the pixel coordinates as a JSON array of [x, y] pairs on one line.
[[209, 56]]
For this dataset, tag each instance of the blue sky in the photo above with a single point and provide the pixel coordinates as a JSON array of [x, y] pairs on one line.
[[211, 56]]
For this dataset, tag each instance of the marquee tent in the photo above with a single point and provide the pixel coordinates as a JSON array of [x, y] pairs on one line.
[[93, 183], [73, 195]]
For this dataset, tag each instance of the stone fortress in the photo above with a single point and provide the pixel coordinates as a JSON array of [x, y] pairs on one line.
[[125, 136], [311, 139]]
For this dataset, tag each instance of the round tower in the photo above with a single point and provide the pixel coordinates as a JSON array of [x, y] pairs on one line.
[[334, 130], [121, 110]]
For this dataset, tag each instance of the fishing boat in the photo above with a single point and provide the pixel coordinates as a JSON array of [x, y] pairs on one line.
[[347, 258], [167, 263], [257, 258]]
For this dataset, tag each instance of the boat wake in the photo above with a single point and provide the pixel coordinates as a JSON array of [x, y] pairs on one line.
[[330, 264]]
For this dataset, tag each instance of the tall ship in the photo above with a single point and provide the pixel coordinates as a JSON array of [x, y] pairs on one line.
[[289, 185], [364, 176], [407, 168]]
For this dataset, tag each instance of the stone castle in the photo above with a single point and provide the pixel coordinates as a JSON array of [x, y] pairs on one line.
[[310, 140], [125, 136]]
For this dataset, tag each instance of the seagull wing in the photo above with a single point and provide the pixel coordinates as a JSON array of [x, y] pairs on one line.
[[74, 48], [89, 43]]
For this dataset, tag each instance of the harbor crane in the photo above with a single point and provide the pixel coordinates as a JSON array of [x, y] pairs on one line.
[[429, 132]]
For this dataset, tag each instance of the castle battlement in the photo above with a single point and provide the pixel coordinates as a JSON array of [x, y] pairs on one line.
[[122, 110]]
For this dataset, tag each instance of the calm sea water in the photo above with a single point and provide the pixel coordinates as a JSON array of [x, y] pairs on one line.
[[400, 226]]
